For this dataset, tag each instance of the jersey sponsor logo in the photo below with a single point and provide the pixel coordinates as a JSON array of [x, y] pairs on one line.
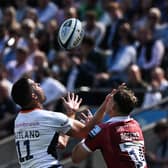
[[94, 131], [129, 136], [127, 127], [28, 134], [24, 124]]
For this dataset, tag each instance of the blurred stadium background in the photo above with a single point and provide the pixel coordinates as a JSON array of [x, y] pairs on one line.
[[29, 28]]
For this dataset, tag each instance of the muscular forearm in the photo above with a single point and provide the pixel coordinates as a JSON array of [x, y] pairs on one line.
[[79, 153], [97, 118], [83, 130], [80, 130]]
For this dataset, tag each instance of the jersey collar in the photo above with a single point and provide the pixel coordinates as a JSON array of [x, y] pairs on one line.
[[119, 119], [29, 110]]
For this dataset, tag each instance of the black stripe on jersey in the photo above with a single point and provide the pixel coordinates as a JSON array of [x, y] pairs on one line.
[[52, 147]]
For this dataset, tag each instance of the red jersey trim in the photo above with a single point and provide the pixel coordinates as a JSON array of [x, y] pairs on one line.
[[28, 111]]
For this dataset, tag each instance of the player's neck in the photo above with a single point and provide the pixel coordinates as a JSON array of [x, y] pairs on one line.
[[32, 106], [115, 114]]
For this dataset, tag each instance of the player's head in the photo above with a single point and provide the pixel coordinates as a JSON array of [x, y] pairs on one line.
[[123, 101], [27, 93]]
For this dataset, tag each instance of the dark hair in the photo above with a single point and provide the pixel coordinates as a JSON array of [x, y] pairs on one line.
[[88, 40], [113, 5], [125, 100], [22, 92], [90, 14], [161, 126], [45, 71]]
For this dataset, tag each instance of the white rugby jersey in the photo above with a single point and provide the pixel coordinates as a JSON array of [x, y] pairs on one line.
[[36, 137]]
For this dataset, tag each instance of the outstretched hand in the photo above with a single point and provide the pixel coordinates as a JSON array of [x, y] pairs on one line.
[[85, 116], [72, 103]]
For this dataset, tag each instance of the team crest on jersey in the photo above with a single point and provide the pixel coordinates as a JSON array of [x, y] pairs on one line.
[[94, 131]]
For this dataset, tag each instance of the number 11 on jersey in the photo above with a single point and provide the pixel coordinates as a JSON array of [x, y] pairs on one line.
[[26, 143]]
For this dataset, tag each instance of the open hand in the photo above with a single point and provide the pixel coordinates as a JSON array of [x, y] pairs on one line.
[[72, 103], [85, 116]]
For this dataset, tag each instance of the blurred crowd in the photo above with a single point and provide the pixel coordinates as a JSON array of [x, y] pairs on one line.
[[159, 157], [125, 41]]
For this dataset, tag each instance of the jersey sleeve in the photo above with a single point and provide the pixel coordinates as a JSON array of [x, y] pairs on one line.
[[94, 139]]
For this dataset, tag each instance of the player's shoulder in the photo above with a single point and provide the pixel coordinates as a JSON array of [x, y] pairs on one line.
[[59, 119], [54, 114], [50, 115], [95, 131], [45, 117]]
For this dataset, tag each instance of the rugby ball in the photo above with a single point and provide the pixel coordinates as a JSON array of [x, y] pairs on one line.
[[70, 34]]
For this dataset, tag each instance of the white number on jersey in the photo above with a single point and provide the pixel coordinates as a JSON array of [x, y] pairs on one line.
[[136, 152]]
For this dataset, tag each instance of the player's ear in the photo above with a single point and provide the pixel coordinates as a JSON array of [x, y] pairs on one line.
[[114, 107], [34, 97]]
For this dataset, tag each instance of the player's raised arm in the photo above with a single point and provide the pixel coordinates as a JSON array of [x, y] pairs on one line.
[[79, 129]]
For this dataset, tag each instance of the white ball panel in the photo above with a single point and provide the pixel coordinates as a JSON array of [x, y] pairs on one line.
[[70, 33]]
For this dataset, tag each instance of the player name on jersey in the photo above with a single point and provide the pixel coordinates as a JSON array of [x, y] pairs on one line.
[[129, 136], [28, 134]]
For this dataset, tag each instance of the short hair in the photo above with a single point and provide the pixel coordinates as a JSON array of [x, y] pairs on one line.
[[88, 40], [22, 49], [45, 71], [91, 15], [125, 100], [161, 126], [22, 92], [113, 5]]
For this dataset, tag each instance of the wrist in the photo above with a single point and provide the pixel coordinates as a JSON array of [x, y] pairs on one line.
[[71, 113]]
